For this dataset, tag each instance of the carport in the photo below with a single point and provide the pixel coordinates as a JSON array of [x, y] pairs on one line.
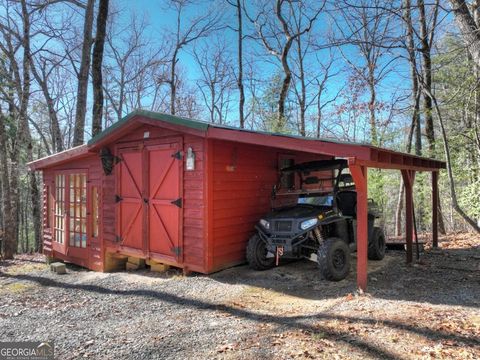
[[360, 158]]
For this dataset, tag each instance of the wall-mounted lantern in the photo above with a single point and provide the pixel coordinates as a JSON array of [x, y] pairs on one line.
[[108, 160], [190, 161]]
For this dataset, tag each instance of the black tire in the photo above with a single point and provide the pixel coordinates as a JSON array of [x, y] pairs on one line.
[[376, 245], [333, 259], [257, 254]]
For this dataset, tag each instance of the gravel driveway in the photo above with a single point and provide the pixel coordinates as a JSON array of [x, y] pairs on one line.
[[420, 311]]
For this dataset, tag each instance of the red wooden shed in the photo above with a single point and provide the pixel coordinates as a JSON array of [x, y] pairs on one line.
[[188, 193]]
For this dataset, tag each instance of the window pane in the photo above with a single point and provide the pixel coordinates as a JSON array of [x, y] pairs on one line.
[[78, 210], [59, 207], [94, 211]]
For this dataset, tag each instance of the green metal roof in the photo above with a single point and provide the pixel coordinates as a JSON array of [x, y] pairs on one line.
[[176, 120], [202, 126]]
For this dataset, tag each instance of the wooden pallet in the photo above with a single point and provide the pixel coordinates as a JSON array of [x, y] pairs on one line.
[[399, 243]]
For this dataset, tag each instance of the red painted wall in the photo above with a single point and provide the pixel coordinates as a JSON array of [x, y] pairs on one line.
[[241, 181]]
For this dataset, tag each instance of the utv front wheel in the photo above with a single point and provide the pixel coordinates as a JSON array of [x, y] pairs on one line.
[[334, 259], [257, 254], [376, 245]]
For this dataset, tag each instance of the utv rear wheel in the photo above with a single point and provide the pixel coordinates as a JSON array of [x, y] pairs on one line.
[[257, 254], [334, 259], [376, 245]]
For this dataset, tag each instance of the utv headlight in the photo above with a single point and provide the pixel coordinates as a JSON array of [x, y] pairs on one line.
[[308, 224], [265, 224]]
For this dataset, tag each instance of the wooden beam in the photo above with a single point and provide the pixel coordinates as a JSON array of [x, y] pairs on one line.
[[360, 175], [408, 179], [323, 147], [435, 209]]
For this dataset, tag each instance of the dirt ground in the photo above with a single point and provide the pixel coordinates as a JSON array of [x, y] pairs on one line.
[[429, 310]]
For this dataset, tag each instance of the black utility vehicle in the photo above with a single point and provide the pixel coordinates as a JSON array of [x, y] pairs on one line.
[[321, 226]]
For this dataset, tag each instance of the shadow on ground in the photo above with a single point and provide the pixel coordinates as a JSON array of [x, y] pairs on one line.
[[450, 277], [302, 323]]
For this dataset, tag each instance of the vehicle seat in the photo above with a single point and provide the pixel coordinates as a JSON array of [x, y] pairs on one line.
[[347, 202]]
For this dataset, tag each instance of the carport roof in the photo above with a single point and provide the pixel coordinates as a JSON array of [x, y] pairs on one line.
[[357, 153]]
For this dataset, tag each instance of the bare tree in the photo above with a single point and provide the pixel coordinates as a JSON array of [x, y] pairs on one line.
[[134, 67], [9, 223], [42, 78], [468, 27], [186, 32], [14, 39], [83, 74], [367, 26], [278, 35], [241, 99], [321, 85], [97, 60], [216, 81], [415, 96], [426, 38]]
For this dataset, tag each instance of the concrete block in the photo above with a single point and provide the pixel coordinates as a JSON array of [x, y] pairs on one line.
[[159, 267], [114, 263], [58, 268], [137, 261], [129, 266]]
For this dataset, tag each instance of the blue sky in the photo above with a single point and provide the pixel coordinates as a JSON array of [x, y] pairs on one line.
[[161, 19]]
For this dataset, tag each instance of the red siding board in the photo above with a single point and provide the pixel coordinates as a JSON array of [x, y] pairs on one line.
[[242, 180]]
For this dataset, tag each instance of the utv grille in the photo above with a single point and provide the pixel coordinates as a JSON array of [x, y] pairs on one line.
[[283, 226]]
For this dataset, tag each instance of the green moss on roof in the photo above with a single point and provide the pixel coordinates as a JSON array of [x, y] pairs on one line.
[[176, 120]]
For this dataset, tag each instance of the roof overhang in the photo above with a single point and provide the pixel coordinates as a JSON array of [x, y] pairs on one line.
[[356, 153], [74, 153]]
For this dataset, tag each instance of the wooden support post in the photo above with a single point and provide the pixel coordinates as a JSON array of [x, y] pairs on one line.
[[435, 209], [359, 174], [408, 179]]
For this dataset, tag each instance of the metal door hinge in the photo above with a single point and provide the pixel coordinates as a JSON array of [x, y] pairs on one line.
[[118, 238], [118, 198], [177, 250], [177, 202], [177, 155]]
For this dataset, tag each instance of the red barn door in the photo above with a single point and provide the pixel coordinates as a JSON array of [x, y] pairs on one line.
[[149, 203], [130, 199], [164, 201]]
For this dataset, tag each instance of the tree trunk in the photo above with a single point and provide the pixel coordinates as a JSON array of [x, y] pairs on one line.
[[468, 28], [241, 101], [173, 84], [398, 212], [24, 130], [427, 77], [303, 91], [372, 105], [425, 39], [415, 124], [448, 160], [281, 121], [82, 88], [9, 226], [413, 74], [57, 138], [97, 59]]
